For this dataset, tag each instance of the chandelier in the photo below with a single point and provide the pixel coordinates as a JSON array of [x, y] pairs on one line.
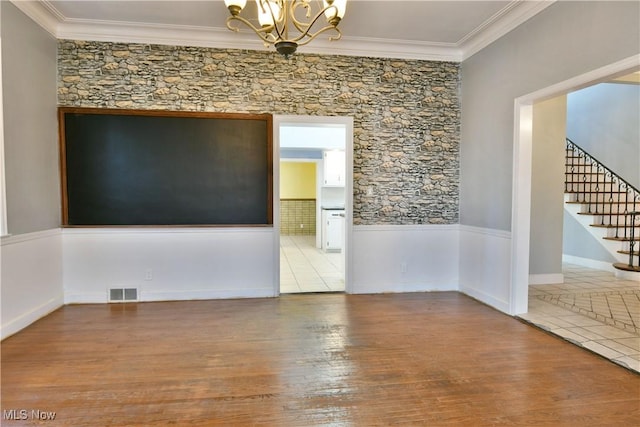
[[280, 23]]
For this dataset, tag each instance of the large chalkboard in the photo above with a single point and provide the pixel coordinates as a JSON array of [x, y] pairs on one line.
[[154, 168]]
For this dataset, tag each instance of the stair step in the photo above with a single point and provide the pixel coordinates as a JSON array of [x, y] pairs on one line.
[[606, 193], [599, 203], [604, 214], [581, 170], [626, 267], [586, 179], [621, 226], [635, 253], [582, 173], [622, 239], [590, 182]]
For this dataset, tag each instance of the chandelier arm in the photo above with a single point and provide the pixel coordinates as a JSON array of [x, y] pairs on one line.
[[317, 33], [279, 31], [303, 27], [263, 33]]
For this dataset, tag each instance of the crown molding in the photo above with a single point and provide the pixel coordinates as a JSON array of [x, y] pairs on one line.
[[507, 19], [42, 13], [513, 15], [180, 35]]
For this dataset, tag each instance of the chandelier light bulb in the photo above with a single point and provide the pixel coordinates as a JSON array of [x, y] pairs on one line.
[[281, 22], [268, 10], [334, 10], [235, 6]]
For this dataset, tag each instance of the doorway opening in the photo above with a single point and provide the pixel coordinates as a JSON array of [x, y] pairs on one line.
[[313, 202], [522, 172]]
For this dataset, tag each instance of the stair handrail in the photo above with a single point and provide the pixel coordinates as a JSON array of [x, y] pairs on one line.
[[618, 177], [627, 227], [632, 243]]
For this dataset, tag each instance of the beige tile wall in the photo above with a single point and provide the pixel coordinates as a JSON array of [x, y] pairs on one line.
[[293, 213]]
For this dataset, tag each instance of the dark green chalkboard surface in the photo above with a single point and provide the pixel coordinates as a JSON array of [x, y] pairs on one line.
[[157, 168]]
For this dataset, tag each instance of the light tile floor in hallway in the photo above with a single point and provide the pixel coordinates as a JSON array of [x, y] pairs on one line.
[[592, 309], [305, 268]]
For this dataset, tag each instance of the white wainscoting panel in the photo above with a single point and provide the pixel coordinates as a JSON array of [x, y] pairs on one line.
[[404, 258], [31, 278], [485, 265], [169, 264]]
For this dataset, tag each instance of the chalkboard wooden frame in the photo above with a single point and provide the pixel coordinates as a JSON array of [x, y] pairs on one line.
[[259, 174]]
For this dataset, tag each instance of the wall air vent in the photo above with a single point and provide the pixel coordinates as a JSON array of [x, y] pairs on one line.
[[123, 294]]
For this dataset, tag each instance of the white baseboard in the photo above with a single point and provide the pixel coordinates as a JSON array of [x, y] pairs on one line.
[[173, 295], [407, 287], [627, 275], [546, 279], [589, 263], [601, 265], [21, 322], [207, 294], [486, 298]]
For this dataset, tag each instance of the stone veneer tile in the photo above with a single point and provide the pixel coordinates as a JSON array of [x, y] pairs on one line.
[[406, 112]]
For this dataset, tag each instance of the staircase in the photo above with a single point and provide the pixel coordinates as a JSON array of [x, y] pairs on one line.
[[608, 204]]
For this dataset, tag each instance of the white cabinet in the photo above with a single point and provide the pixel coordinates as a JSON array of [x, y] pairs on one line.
[[332, 230], [334, 168]]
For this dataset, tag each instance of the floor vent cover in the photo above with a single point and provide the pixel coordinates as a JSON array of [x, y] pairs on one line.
[[123, 294]]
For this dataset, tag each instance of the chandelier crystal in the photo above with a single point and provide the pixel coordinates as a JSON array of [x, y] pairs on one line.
[[280, 22]]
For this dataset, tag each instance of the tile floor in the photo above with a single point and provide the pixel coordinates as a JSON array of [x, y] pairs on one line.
[[592, 309], [305, 268]]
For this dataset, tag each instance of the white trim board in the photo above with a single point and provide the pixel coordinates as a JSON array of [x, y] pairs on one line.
[[601, 265], [484, 265], [3, 189], [315, 121], [511, 16], [21, 238], [589, 263], [32, 284], [168, 263], [18, 323], [546, 279], [411, 258]]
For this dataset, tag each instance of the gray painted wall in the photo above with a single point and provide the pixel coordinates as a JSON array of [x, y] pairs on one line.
[[605, 121], [30, 123], [565, 40], [579, 243], [547, 189]]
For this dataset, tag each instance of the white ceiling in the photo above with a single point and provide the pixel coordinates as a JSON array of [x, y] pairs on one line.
[[437, 30]]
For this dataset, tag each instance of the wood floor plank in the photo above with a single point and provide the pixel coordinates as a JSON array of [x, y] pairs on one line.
[[436, 359]]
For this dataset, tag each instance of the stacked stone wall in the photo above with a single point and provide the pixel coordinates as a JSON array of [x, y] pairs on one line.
[[406, 112]]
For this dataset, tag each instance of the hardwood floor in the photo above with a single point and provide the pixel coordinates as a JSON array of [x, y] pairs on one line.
[[436, 359]]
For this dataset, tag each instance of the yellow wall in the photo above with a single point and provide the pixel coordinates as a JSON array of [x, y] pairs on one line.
[[297, 180]]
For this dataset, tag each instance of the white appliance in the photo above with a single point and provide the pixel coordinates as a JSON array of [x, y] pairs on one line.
[[332, 229]]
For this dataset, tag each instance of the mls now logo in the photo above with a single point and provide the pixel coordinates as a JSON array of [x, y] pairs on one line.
[[24, 414], [15, 414], [37, 414]]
